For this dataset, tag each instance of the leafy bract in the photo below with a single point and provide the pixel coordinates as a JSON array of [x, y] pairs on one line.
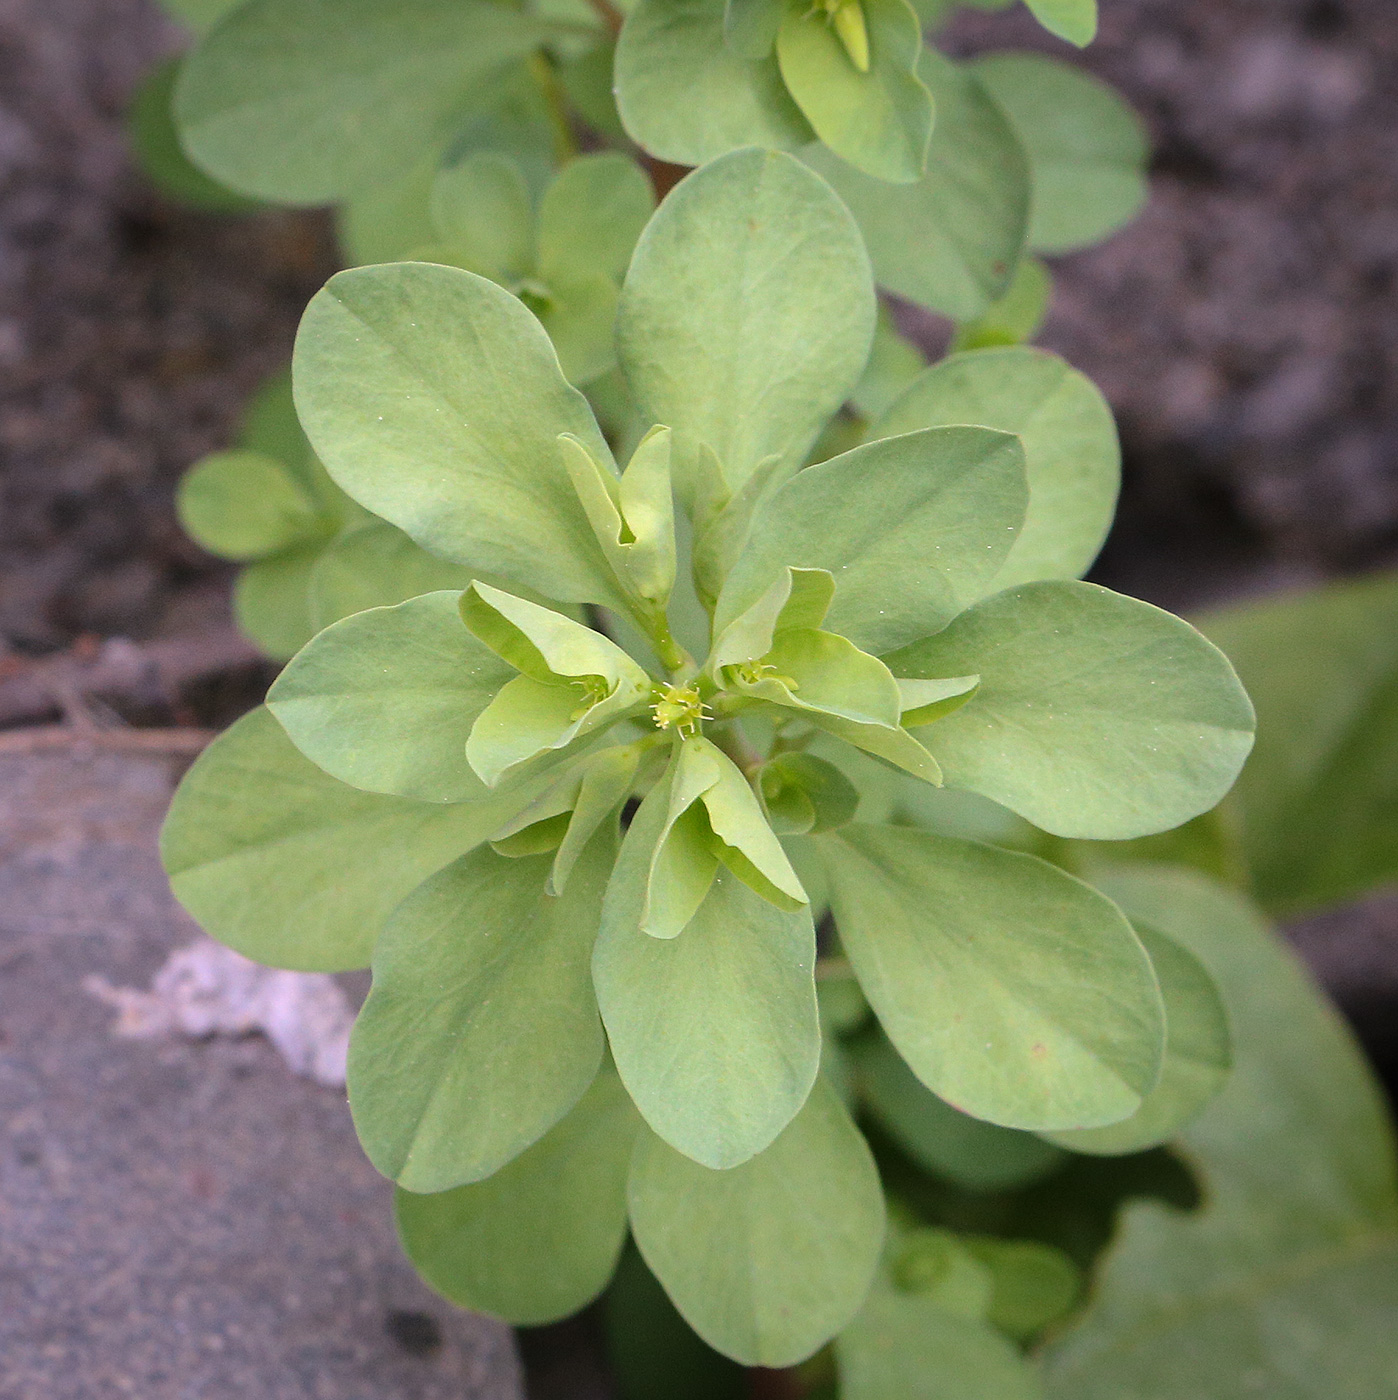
[[303, 102], [1087, 149], [1285, 1281], [376, 566], [1015, 992], [1073, 20], [1097, 715], [1032, 1284], [1319, 797], [715, 1032], [1072, 458], [913, 529], [474, 971], [977, 1155], [951, 240], [768, 1260], [384, 700], [539, 1239], [877, 116], [677, 46], [288, 866], [573, 681], [435, 399], [1198, 1056], [244, 505], [748, 311]]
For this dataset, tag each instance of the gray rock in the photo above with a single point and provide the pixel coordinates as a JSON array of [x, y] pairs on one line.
[[178, 1218]]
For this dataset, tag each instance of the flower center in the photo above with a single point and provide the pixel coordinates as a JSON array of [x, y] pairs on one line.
[[678, 707]]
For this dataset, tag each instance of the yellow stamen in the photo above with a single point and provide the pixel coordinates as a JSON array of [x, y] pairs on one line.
[[678, 707]]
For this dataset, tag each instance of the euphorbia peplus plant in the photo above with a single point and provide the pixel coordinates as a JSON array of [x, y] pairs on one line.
[[585, 851]]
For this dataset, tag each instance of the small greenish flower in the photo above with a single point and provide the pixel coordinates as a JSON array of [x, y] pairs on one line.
[[581, 814]]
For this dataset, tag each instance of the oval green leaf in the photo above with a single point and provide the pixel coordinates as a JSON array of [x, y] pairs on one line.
[[1071, 454], [385, 700], [435, 398], [748, 311], [1097, 715], [476, 970], [1198, 1056], [1015, 992], [538, 1240], [290, 867], [715, 1032], [766, 1261]]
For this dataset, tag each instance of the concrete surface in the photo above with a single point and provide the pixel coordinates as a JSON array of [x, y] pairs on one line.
[[178, 1220]]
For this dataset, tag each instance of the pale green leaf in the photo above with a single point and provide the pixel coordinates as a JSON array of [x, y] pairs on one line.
[[605, 785], [290, 867], [914, 529], [481, 210], [677, 46], [1319, 797], [1014, 317], [879, 116], [1097, 715], [592, 215], [1198, 1056], [1071, 455], [434, 397], [391, 220], [750, 26], [1087, 149], [976, 1155], [894, 362], [150, 127], [579, 313], [1073, 20], [937, 1267], [376, 566], [538, 1240], [385, 700], [1032, 1284], [1015, 992], [951, 241], [475, 971], [926, 701], [272, 600], [715, 1032], [768, 1260], [747, 314], [906, 1347], [243, 505], [1285, 1282], [303, 102]]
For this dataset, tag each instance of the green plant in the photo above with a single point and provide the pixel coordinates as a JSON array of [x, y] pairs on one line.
[[427, 123], [881, 603], [714, 826]]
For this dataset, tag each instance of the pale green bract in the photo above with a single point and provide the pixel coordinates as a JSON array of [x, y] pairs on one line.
[[538, 837]]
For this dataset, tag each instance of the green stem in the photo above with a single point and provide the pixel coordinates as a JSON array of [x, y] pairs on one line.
[[541, 70]]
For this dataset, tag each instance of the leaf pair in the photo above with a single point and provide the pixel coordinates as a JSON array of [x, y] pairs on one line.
[[566, 262], [765, 1261]]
